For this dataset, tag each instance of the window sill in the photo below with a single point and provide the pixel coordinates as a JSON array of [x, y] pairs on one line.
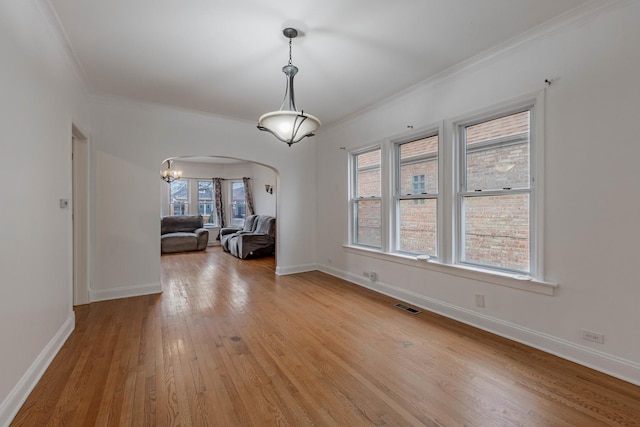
[[524, 283]]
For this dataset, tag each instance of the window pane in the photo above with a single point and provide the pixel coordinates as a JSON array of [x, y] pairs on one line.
[[179, 197], [237, 203], [205, 190], [368, 174], [205, 201], [418, 226], [368, 226], [497, 153], [496, 231], [419, 166]]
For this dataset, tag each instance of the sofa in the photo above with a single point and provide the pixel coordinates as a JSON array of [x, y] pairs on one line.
[[257, 238], [183, 233]]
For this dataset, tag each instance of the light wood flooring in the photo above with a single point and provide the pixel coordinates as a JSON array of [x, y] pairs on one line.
[[229, 343]]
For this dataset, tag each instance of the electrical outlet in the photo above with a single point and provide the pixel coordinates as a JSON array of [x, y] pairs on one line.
[[373, 276], [480, 300], [593, 336]]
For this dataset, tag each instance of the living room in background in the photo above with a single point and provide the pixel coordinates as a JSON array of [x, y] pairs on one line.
[[366, 198]]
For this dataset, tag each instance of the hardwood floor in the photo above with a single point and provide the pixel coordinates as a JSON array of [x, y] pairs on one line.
[[229, 343]]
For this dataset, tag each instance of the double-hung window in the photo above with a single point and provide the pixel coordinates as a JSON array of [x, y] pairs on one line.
[[366, 203], [416, 195], [179, 197], [237, 205], [464, 197], [495, 193], [205, 201]]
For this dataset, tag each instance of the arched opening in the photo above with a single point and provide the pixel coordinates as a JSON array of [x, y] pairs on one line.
[[192, 194]]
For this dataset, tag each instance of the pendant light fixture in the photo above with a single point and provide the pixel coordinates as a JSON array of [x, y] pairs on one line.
[[288, 124], [169, 175]]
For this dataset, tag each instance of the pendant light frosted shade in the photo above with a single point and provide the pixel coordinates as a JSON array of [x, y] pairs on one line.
[[289, 125]]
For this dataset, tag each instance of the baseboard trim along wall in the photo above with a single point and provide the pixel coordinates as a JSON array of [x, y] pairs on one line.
[[611, 365], [294, 269], [16, 398], [124, 292]]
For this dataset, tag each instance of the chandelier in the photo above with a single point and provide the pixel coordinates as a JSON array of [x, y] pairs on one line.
[[288, 124], [168, 174]]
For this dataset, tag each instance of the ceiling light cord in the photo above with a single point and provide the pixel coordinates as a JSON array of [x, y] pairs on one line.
[[290, 62]]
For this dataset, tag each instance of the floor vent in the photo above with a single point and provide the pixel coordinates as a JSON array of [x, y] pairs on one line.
[[408, 309]]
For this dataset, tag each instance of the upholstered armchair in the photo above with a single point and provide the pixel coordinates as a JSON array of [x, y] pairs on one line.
[[256, 238]]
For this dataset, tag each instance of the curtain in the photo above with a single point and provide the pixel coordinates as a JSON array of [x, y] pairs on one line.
[[217, 195], [248, 197]]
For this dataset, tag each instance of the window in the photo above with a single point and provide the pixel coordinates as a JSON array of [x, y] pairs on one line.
[[366, 198], [417, 186], [205, 201], [468, 201], [237, 204], [494, 195], [179, 197], [417, 196]]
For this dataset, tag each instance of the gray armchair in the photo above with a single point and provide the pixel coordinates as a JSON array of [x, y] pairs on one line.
[[182, 233], [256, 238]]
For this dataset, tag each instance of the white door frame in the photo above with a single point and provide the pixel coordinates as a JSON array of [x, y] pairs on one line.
[[80, 216]]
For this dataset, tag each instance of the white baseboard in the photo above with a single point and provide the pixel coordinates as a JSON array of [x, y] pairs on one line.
[[618, 367], [124, 292], [16, 398], [294, 269]]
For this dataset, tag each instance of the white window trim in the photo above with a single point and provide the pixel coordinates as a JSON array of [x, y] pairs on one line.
[[197, 198], [525, 283], [189, 196], [447, 204], [394, 197], [353, 176], [535, 104]]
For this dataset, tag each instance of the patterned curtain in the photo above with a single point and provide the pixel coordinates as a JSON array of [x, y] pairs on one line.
[[248, 197], [217, 194]]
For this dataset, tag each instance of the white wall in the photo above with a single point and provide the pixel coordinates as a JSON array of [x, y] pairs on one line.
[[592, 196], [129, 142], [265, 203], [40, 99]]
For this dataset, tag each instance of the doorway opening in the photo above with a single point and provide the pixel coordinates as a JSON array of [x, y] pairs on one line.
[[193, 193], [80, 215]]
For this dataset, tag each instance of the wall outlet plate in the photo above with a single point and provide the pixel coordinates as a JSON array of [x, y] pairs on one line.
[[593, 336]]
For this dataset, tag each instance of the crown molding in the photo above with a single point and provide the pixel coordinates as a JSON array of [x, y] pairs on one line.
[[55, 25], [570, 19]]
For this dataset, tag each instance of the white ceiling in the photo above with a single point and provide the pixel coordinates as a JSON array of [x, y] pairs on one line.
[[225, 57]]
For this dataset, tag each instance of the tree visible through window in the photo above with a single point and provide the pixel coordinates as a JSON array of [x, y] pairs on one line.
[[179, 197], [205, 201]]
